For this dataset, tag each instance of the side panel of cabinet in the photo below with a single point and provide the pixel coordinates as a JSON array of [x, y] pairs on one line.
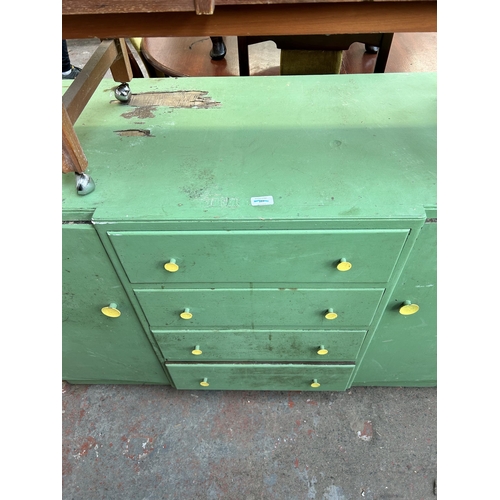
[[96, 348], [403, 350]]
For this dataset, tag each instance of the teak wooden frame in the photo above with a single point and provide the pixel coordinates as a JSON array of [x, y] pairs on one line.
[[111, 54]]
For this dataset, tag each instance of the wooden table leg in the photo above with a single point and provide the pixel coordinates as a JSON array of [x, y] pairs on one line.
[[73, 157], [383, 52], [243, 60], [111, 54], [121, 68], [108, 55]]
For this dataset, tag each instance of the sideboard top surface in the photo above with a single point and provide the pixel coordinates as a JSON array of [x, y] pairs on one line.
[[323, 147]]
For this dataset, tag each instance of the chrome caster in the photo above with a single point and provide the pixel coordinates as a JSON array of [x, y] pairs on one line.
[[123, 93], [84, 184]]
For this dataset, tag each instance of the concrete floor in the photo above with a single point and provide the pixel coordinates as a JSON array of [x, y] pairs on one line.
[[151, 442]]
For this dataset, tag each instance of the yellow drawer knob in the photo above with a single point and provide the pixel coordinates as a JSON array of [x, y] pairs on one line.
[[322, 351], [197, 351], [111, 311], [315, 383], [330, 314], [186, 314], [171, 266], [408, 308], [204, 382], [343, 265]]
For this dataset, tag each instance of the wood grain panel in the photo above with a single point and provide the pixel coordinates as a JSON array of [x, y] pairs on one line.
[[305, 19], [71, 7]]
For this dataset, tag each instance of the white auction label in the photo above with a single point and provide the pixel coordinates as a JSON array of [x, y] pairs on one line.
[[261, 200]]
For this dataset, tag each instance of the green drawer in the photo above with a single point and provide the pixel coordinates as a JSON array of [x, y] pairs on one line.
[[242, 308], [253, 345], [260, 377], [259, 256]]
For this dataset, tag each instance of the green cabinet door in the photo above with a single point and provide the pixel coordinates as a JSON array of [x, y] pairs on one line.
[[97, 348], [403, 348]]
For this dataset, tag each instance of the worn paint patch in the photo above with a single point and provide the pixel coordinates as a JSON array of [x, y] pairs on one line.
[[141, 112], [177, 99], [134, 133], [146, 103]]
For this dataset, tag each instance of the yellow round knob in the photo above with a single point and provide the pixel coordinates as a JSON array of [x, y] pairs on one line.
[[343, 265], [171, 266], [186, 314], [322, 350], [315, 383], [330, 314], [111, 311], [197, 351], [408, 308], [204, 382]]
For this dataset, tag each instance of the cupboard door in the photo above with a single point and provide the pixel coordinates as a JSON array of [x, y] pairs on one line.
[[403, 350], [98, 348]]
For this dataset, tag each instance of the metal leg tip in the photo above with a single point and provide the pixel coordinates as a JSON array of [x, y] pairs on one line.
[[123, 93], [84, 184]]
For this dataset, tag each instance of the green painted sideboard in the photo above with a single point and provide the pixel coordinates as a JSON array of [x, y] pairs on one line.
[[273, 233]]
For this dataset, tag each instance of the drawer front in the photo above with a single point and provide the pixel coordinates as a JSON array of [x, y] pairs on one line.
[[258, 308], [258, 256], [260, 377], [253, 345]]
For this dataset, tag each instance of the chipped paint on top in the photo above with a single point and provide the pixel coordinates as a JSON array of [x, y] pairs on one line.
[[134, 133]]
